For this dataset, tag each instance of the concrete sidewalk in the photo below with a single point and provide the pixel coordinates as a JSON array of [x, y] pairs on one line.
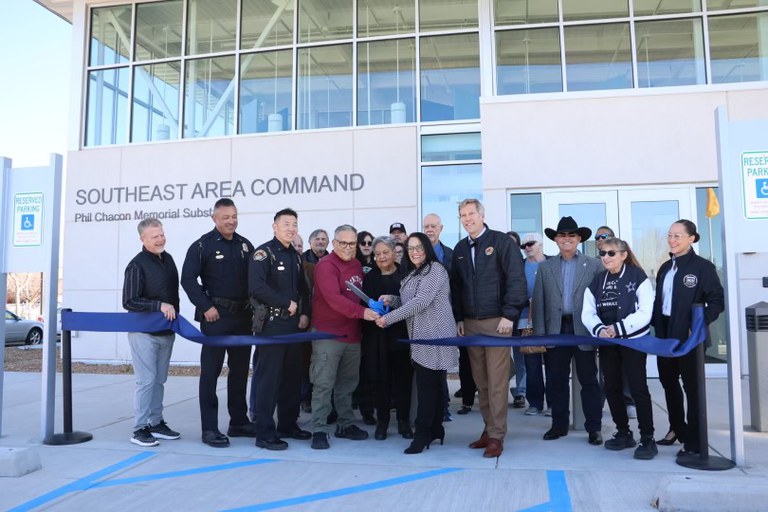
[[110, 473]]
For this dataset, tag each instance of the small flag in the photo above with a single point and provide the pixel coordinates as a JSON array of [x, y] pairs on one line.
[[713, 205]]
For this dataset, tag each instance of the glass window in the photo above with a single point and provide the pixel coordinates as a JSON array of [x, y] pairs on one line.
[[107, 115], [110, 35], [654, 7], [598, 57], [594, 9], [737, 48], [454, 146], [450, 77], [443, 187], [670, 52], [158, 30], [208, 97], [386, 81], [265, 92], [325, 87], [155, 102], [383, 17], [266, 23], [716, 5], [325, 20], [522, 12], [528, 61], [525, 210], [211, 26], [439, 15]]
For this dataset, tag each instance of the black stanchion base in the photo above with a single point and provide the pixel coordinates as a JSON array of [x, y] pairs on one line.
[[68, 438], [705, 462]]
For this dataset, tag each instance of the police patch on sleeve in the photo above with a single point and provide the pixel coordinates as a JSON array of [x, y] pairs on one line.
[[245, 247], [260, 255]]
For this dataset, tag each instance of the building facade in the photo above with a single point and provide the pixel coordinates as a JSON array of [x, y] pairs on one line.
[[378, 111]]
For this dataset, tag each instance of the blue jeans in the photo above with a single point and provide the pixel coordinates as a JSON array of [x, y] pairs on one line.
[[520, 373], [151, 356]]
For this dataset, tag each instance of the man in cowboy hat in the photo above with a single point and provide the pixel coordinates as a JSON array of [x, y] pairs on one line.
[[557, 301]]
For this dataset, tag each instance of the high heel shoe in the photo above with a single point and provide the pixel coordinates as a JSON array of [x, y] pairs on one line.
[[417, 446], [668, 439], [441, 438]]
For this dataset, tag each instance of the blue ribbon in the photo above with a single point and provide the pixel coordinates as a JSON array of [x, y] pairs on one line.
[[156, 322], [669, 347]]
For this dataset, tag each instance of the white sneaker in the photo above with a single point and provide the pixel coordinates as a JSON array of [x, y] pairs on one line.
[[533, 411], [631, 412], [548, 411]]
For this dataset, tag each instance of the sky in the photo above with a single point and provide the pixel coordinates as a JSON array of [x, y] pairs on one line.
[[35, 52]]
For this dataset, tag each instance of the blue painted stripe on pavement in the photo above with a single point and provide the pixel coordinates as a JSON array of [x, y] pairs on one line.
[[184, 472], [346, 491], [559, 497], [83, 483]]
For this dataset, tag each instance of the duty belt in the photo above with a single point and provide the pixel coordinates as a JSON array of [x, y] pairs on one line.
[[281, 313], [232, 306]]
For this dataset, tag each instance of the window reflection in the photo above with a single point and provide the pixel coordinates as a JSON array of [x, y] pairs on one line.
[[450, 77], [110, 35], [443, 187], [385, 17], [655, 7], [107, 112], [266, 23], [736, 53], [325, 87], [155, 102], [525, 210], [265, 92], [211, 26], [209, 97], [518, 12], [437, 15], [594, 9], [528, 61], [386, 82], [598, 57], [454, 146], [325, 20], [158, 30], [670, 53]]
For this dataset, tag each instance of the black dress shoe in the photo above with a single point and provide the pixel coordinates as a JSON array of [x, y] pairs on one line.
[[381, 433], [554, 433], [272, 444], [465, 409], [668, 440], [215, 438], [595, 438], [294, 433], [246, 430], [368, 418], [404, 429]]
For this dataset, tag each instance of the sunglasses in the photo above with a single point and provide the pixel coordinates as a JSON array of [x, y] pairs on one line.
[[610, 254], [604, 236], [366, 243], [526, 245]]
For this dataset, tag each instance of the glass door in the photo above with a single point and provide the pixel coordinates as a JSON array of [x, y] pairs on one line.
[[589, 208]]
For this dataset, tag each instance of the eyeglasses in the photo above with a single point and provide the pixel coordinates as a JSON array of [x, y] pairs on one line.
[[366, 243], [566, 235], [677, 236], [610, 254], [526, 245], [604, 236], [346, 245], [415, 248]]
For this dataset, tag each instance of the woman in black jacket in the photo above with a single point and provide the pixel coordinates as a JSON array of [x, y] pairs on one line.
[[684, 280]]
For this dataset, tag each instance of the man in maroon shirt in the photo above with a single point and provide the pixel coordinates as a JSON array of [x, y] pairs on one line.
[[335, 366]]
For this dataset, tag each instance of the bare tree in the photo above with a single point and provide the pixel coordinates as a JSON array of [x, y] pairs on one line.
[[24, 291]]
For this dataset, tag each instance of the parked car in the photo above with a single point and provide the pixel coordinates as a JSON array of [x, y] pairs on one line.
[[41, 319], [18, 330]]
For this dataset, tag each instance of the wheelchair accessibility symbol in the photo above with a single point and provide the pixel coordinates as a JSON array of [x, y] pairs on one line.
[[27, 222], [761, 187]]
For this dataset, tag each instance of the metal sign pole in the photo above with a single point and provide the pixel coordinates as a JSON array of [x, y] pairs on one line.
[[5, 165]]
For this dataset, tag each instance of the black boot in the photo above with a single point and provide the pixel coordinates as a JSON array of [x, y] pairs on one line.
[[404, 429], [380, 434]]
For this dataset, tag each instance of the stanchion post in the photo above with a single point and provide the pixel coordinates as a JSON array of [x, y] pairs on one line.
[[703, 460], [68, 436]]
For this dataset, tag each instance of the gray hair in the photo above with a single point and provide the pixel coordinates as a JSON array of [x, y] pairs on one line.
[[531, 237], [386, 240], [342, 228], [316, 232], [149, 222], [476, 202]]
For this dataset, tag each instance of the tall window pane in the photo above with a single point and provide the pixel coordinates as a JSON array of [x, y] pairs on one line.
[[525, 210], [265, 92], [521, 12], [598, 57], [209, 97], [450, 77], [155, 102], [594, 9], [716, 5], [211, 26], [382, 17], [325, 87], [325, 20], [528, 61], [110, 35], [670, 53], [266, 23], [739, 48], [386, 79], [158, 30], [443, 187], [654, 7], [439, 15], [107, 115]]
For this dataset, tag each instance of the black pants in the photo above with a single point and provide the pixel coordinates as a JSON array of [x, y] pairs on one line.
[[277, 381], [211, 363], [394, 387], [534, 376], [468, 388], [671, 369], [429, 411], [620, 364]]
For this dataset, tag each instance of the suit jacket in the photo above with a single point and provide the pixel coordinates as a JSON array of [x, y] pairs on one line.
[[448, 257], [547, 301]]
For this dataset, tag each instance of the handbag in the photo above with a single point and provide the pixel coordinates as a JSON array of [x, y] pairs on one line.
[[528, 331]]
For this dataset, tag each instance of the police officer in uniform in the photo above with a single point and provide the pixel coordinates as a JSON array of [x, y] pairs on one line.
[[276, 284], [220, 260]]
